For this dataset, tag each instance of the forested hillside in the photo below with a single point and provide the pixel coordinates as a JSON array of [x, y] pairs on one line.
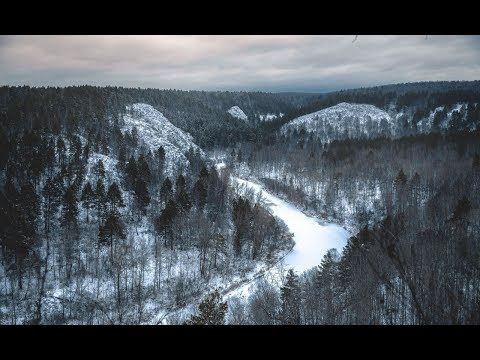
[[114, 218]]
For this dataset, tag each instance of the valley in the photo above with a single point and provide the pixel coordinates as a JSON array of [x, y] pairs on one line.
[[132, 206]]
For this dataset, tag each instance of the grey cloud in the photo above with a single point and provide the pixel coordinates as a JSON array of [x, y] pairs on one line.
[[4, 39], [270, 63]]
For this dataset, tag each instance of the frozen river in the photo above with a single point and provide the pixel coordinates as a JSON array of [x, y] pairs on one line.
[[312, 238]]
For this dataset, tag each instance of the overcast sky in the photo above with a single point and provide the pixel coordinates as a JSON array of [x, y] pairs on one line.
[[266, 63]]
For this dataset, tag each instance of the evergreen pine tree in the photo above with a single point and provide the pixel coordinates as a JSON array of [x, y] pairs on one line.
[[242, 221], [204, 174], [200, 193], [163, 224], [100, 199], [166, 191], [61, 151], [290, 296], [142, 197], [184, 202], [180, 185], [86, 151], [161, 159], [88, 198], [70, 206], [122, 156], [114, 197], [29, 208], [401, 178], [143, 170], [18, 211], [52, 197], [326, 276], [111, 230], [131, 173], [99, 169], [211, 311]]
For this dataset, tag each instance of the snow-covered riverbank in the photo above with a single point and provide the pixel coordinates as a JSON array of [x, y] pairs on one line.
[[312, 238]]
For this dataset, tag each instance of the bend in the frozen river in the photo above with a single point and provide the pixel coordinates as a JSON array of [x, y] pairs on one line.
[[312, 239]]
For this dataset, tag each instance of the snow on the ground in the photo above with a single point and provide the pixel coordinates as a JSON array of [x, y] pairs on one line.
[[110, 166], [220, 166], [155, 130], [238, 113]]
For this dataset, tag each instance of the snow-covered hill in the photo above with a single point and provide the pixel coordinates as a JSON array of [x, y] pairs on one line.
[[353, 120], [154, 130], [238, 113]]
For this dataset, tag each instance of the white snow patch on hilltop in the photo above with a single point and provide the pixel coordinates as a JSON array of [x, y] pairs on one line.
[[268, 117], [154, 130], [361, 118], [238, 113]]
